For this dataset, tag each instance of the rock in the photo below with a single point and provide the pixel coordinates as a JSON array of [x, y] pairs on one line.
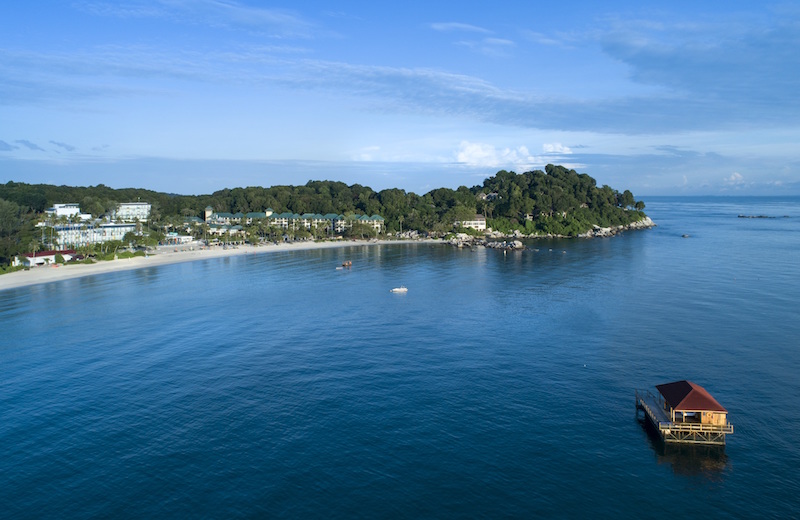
[[495, 239]]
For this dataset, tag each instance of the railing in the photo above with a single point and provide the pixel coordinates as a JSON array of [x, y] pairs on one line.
[[695, 427], [642, 396], [647, 409]]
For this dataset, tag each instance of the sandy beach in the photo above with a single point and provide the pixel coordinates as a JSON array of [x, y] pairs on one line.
[[169, 255]]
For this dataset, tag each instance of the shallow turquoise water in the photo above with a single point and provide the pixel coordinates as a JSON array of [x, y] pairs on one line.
[[499, 385]]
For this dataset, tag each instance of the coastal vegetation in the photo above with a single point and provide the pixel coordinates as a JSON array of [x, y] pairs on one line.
[[17, 231], [555, 201]]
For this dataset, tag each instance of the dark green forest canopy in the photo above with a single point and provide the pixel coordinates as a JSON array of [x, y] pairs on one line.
[[557, 201]]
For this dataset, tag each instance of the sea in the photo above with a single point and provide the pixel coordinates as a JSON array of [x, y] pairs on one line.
[[501, 385]]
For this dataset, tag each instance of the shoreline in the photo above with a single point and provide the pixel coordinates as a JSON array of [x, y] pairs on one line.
[[170, 255], [43, 275]]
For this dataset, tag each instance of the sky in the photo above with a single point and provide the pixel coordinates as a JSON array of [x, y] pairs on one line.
[[192, 96]]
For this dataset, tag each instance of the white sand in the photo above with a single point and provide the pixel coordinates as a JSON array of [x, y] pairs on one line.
[[46, 274]]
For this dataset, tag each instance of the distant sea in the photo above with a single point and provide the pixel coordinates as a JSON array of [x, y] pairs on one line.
[[500, 386]]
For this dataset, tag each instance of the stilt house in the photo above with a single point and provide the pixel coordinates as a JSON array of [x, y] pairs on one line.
[[684, 412], [689, 402]]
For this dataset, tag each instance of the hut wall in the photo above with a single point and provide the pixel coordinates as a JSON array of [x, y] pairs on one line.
[[715, 418]]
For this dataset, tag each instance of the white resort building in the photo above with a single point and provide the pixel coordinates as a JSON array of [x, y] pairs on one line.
[[82, 231], [132, 211], [69, 211], [478, 222], [332, 221], [78, 235]]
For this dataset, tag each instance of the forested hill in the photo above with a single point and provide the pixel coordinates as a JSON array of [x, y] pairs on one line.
[[557, 200]]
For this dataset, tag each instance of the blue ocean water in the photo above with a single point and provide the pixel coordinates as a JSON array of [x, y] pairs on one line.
[[500, 385]]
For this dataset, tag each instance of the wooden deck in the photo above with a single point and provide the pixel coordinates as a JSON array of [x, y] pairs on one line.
[[683, 432]]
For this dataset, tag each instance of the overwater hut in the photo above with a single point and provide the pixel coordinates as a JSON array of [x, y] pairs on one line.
[[685, 412], [689, 402]]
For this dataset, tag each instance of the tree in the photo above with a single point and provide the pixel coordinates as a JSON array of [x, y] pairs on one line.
[[507, 197], [459, 214], [16, 230], [129, 238], [251, 234], [319, 230], [34, 245], [626, 199], [361, 229]]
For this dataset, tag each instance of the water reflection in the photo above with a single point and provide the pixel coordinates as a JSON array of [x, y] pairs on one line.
[[147, 275], [689, 460], [709, 462]]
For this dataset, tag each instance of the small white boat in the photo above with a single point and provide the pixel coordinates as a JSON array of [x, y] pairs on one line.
[[401, 289]]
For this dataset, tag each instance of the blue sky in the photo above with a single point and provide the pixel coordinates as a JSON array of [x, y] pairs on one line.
[[191, 96]]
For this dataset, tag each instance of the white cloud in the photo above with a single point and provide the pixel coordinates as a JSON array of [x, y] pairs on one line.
[[227, 13], [487, 155], [499, 42], [456, 26], [735, 179], [476, 154], [489, 46], [555, 148], [557, 39], [366, 154]]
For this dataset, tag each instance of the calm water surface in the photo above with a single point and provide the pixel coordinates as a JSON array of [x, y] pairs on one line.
[[500, 385]]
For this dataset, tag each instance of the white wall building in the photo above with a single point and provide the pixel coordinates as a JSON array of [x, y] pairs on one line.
[[77, 235], [176, 239], [42, 258], [68, 210], [478, 222], [132, 211]]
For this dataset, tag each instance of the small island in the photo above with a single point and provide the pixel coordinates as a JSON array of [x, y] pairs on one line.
[[101, 225]]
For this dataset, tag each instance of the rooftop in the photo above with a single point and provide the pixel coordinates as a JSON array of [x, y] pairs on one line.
[[688, 396]]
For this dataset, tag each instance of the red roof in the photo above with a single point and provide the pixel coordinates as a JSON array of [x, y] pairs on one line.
[[688, 396], [53, 252]]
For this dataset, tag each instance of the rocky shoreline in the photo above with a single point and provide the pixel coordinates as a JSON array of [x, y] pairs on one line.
[[495, 240]]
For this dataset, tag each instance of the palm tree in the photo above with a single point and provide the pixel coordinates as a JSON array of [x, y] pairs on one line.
[[34, 247]]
